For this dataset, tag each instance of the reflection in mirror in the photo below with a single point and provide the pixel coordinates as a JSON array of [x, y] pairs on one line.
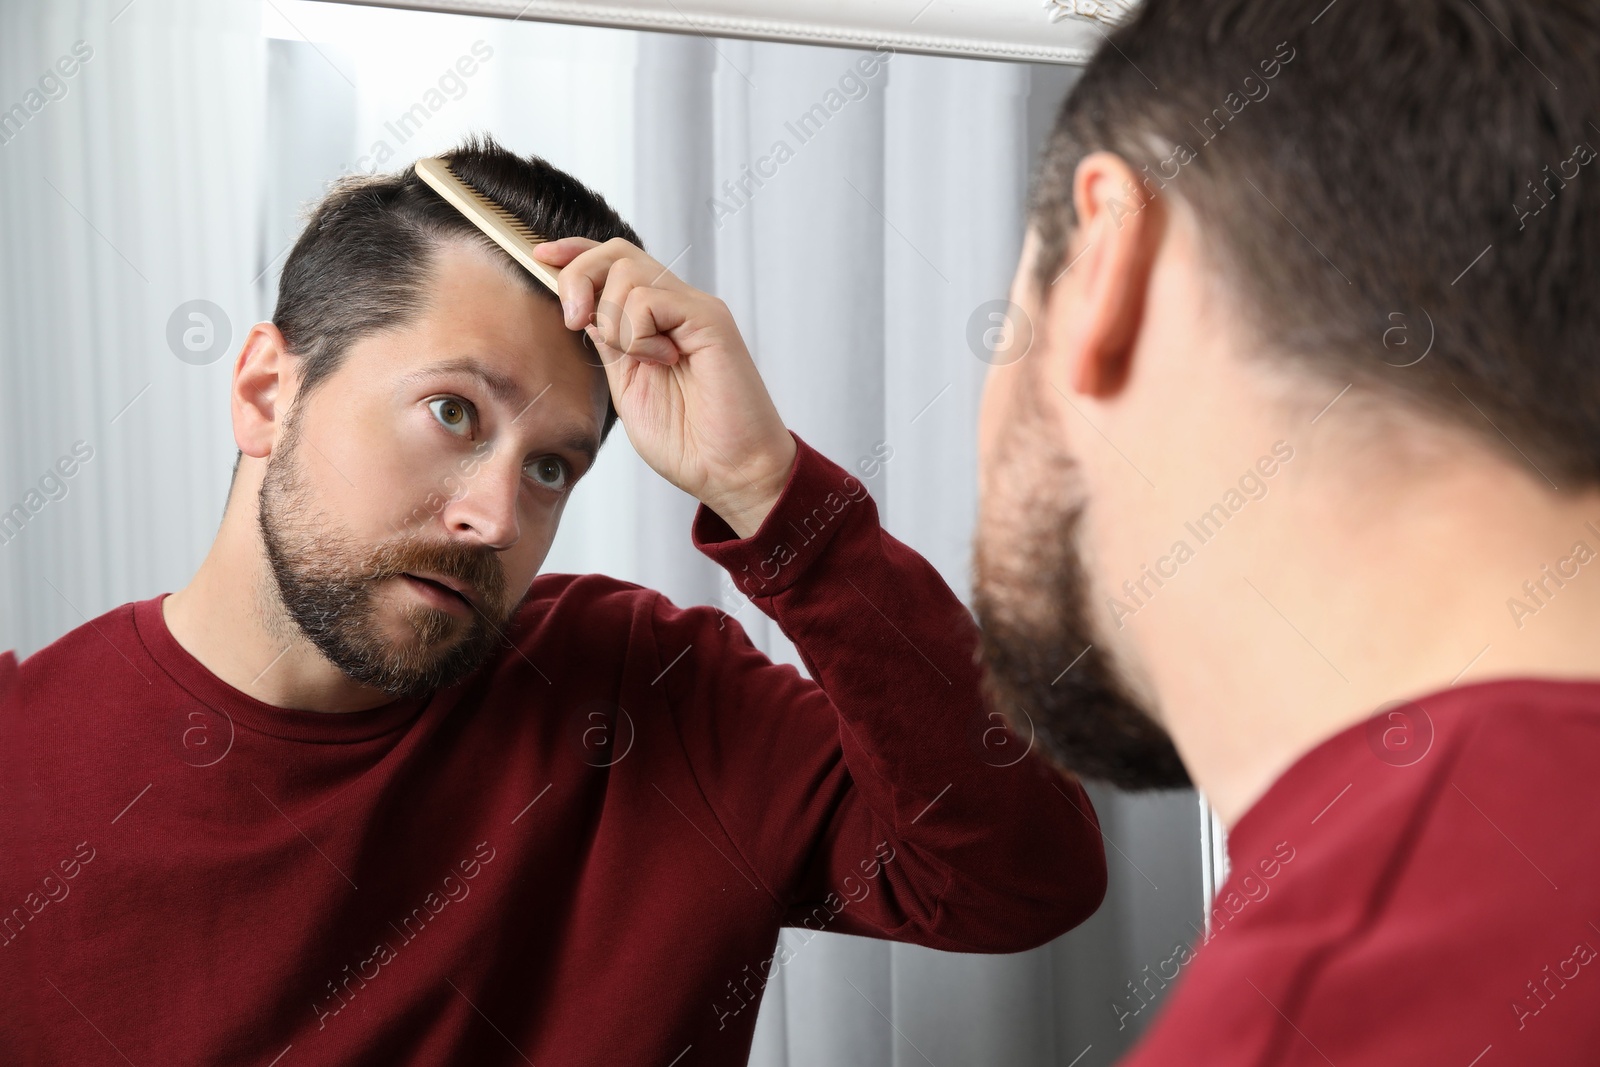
[[856, 222]]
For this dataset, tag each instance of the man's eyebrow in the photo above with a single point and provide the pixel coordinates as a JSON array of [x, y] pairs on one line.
[[581, 441], [501, 387], [507, 391]]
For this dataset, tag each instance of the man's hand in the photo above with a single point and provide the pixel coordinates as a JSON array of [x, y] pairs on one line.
[[681, 378]]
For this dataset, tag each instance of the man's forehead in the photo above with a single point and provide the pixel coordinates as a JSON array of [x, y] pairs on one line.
[[478, 298]]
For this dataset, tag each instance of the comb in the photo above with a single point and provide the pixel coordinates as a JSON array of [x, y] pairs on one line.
[[501, 226]]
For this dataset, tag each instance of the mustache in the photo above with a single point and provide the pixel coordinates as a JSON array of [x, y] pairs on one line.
[[479, 568]]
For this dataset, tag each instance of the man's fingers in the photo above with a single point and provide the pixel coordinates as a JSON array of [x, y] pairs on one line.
[[590, 272], [641, 325], [562, 250], [654, 349], [610, 309], [647, 350]]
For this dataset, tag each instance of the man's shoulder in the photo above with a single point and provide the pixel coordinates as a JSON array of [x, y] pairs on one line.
[[1391, 814], [1437, 856], [567, 594], [595, 620], [1409, 767], [586, 614], [599, 600], [551, 585], [72, 659], [8, 674]]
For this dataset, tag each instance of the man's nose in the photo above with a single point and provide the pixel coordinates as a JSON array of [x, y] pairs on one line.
[[487, 505]]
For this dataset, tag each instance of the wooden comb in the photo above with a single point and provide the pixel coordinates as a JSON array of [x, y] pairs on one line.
[[502, 227]]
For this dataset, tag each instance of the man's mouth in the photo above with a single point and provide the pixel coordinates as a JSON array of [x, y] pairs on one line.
[[440, 593]]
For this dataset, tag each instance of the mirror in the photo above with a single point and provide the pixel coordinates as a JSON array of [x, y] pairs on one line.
[[169, 178]]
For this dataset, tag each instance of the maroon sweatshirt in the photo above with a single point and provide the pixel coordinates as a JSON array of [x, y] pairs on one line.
[[1422, 888], [581, 854]]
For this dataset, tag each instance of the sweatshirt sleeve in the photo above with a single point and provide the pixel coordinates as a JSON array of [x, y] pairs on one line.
[[879, 798]]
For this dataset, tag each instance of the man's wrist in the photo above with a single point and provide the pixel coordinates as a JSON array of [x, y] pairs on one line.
[[747, 507]]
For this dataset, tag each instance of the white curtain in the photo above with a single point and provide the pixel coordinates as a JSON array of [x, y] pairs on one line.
[[175, 167]]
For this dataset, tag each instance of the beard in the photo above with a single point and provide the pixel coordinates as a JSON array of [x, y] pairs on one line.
[[1046, 671], [325, 581]]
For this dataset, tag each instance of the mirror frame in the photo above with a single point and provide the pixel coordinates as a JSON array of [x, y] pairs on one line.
[[1056, 31]]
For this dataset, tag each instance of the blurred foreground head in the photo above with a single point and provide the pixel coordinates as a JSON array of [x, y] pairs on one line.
[[1307, 293]]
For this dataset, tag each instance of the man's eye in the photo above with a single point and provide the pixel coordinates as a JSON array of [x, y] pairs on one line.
[[550, 472], [452, 413]]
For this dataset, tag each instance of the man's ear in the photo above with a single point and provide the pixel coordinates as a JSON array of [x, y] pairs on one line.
[[1098, 302], [262, 388]]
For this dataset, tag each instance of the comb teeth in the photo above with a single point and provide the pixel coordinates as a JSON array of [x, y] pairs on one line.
[[493, 207], [493, 219]]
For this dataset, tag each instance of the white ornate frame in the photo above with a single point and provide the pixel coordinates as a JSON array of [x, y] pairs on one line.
[[1056, 31]]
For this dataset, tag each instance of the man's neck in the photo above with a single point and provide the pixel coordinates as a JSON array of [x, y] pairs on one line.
[[1378, 590]]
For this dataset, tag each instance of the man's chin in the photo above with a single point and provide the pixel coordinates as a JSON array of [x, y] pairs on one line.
[[402, 648]]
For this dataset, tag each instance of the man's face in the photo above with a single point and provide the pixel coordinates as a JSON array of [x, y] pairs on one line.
[[1048, 668], [408, 462]]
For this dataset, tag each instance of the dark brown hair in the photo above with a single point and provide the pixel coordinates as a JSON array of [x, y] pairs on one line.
[[1369, 166], [367, 253]]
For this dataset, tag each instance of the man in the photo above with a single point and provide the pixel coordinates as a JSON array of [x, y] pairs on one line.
[[369, 791], [1302, 469]]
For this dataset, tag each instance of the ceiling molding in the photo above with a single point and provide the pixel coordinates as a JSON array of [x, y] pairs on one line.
[[1056, 31]]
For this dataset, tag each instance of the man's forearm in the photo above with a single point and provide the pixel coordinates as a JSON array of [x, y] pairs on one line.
[[894, 650]]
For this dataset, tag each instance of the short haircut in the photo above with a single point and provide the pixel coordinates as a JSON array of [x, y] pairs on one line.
[[366, 256], [1367, 172]]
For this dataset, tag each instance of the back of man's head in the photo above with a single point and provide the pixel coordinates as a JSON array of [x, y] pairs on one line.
[[1371, 174], [1311, 389]]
